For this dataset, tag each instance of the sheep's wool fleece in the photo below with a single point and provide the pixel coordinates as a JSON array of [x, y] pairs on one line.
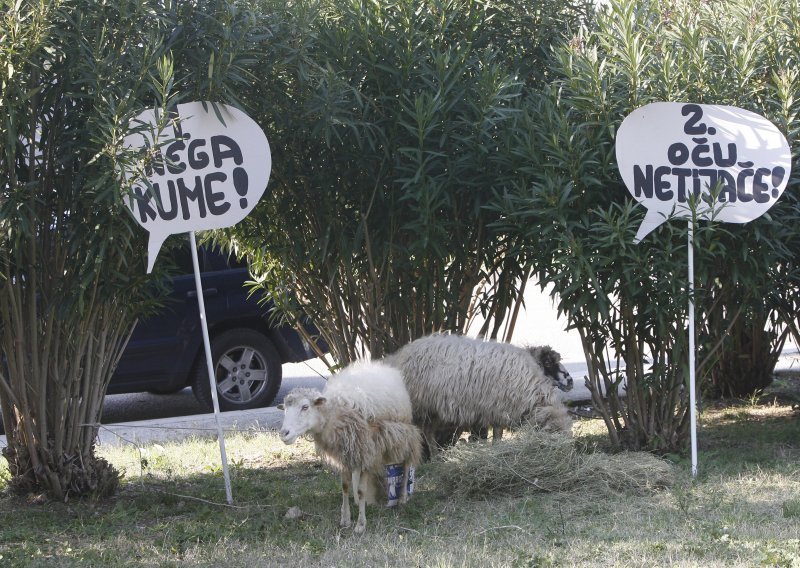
[[349, 441], [465, 381], [376, 389]]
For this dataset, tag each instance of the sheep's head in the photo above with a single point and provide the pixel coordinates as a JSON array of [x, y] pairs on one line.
[[550, 361], [301, 414]]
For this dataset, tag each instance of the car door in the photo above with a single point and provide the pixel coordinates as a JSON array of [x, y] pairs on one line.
[[162, 348]]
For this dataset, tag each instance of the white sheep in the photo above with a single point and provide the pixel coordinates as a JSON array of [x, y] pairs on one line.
[[458, 383], [355, 445], [376, 389]]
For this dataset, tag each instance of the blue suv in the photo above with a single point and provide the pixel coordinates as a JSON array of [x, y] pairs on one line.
[[166, 354]]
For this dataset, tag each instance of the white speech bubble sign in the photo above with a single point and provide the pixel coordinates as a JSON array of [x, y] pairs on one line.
[[208, 174], [669, 151]]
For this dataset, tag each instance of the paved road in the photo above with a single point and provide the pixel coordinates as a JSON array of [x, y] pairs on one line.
[[145, 417], [146, 406]]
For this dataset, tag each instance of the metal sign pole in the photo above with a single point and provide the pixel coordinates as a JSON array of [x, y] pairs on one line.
[[210, 366], [692, 387]]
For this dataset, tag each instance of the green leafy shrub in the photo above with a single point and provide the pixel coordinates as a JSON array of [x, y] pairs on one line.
[[72, 279], [577, 220], [390, 125]]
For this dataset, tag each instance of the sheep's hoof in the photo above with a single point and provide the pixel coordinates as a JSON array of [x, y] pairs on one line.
[[360, 528], [344, 523]]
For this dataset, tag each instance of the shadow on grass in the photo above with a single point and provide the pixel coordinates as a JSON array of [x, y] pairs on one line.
[[171, 509], [743, 435], [156, 517]]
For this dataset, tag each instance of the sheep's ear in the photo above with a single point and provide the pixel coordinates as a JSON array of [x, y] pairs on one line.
[[319, 401], [280, 407]]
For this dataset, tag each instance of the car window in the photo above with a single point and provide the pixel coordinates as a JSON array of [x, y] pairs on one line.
[[215, 260], [234, 262], [182, 257], [210, 259]]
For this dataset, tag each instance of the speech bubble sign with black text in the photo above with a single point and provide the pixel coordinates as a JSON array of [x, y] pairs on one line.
[[668, 151], [201, 173]]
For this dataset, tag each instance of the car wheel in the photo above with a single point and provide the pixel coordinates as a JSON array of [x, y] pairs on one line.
[[247, 370]]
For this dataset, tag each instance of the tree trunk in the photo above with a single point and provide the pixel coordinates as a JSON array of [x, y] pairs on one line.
[[57, 371]]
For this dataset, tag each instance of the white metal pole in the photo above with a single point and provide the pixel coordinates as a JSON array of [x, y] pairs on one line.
[[210, 366], [692, 387]]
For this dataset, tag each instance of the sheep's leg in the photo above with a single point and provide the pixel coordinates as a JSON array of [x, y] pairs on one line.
[[478, 433], [404, 489], [361, 523], [344, 519], [354, 485], [497, 434], [429, 435]]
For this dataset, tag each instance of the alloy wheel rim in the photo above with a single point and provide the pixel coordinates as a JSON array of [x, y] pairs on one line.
[[241, 375]]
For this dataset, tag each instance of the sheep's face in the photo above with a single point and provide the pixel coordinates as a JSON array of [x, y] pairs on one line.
[[550, 360], [301, 414], [561, 377]]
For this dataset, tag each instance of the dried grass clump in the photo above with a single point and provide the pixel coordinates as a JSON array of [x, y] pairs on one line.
[[535, 460]]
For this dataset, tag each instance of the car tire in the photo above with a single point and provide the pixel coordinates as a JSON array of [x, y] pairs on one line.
[[166, 391], [247, 370]]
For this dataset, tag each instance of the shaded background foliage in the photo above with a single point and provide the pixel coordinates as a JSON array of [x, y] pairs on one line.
[[390, 125], [576, 219]]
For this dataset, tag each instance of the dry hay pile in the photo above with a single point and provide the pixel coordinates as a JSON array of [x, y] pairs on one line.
[[534, 460]]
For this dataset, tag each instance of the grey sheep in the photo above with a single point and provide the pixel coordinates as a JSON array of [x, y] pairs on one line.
[[459, 383]]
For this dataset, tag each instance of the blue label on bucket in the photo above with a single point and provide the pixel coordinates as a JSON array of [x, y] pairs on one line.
[[394, 482]]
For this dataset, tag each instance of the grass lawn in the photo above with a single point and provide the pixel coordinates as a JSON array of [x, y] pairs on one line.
[[742, 510]]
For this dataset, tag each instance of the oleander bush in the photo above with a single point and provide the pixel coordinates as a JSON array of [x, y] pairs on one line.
[[72, 278], [391, 126], [576, 220]]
